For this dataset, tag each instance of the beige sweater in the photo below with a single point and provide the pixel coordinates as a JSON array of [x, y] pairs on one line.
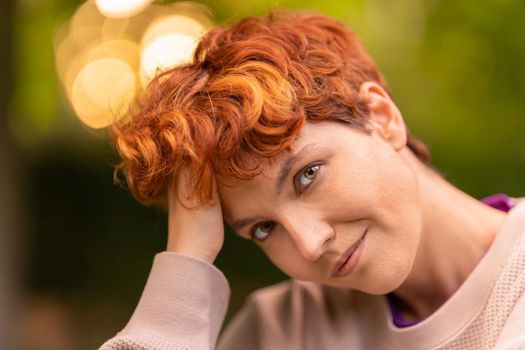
[[185, 300]]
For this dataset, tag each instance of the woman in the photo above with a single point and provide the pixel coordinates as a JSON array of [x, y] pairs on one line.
[[284, 128]]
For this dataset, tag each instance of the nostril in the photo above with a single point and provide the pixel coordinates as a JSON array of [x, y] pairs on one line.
[[313, 247], [311, 255], [311, 238]]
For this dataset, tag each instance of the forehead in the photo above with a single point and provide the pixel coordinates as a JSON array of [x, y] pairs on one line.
[[311, 135]]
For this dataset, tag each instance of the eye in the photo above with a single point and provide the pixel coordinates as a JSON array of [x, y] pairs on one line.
[[308, 175], [261, 231]]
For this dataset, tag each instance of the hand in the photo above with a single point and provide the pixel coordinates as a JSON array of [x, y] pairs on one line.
[[195, 232]]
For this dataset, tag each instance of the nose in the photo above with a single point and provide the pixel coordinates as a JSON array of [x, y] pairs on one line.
[[311, 236]]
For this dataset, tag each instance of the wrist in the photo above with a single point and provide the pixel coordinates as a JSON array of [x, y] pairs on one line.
[[206, 256]]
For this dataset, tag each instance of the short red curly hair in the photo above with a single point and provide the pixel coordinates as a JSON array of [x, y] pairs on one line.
[[246, 96]]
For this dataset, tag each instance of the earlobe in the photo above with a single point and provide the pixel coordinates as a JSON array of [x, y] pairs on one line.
[[384, 117]]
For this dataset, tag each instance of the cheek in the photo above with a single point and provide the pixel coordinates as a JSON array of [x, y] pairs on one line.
[[374, 177], [400, 225], [394, 208], [394, 246], [393, 192]]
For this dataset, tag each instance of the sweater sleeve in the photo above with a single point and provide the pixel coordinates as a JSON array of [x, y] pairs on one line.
[[513, 335], [182, 307]]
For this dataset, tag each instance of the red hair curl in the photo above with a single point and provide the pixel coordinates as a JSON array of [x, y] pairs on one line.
[[247, 95]]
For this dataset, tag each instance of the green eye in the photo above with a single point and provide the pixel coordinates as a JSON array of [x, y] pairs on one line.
[[263, 230], [308, 175]]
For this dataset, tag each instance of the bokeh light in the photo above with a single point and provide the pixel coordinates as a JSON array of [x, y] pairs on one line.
[[121, 8], [168, 42], [85, 24], [108, 46], [102, 90]]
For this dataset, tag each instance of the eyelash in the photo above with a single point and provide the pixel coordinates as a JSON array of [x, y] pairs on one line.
[[302, 172]]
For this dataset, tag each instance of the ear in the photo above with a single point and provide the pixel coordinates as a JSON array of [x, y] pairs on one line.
[[384, 117]]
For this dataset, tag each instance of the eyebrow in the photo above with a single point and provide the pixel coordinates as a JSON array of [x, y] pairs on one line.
[[286, 167]]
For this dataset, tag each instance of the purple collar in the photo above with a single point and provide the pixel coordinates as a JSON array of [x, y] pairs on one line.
[[499, 201]]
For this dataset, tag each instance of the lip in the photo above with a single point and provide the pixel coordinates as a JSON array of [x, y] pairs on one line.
[[349, 259]]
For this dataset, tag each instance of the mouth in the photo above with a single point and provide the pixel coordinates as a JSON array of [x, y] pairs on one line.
[[346, 264]]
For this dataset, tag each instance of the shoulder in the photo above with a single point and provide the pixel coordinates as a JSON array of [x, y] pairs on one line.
[[289, 291], [294, 313], [508, 259], [292, 300], [286, 291], [516, 218], [516, 200]]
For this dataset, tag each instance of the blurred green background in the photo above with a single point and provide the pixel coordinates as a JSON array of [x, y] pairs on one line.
[[75, 250]]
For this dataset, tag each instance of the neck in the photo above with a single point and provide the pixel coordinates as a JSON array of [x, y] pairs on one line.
[[457, 231]]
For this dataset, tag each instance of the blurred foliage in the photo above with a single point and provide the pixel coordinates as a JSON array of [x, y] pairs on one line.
[[456, 71]]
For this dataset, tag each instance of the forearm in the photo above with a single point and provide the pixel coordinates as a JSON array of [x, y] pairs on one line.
[[182, 307]]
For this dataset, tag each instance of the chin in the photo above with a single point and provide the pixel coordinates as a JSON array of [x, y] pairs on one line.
[[374, 288], [381, 288], [385, 282]]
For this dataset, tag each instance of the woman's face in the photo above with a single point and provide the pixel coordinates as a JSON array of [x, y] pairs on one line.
[[311, 205]]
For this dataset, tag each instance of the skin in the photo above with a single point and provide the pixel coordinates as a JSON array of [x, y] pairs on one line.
[[423, 235]]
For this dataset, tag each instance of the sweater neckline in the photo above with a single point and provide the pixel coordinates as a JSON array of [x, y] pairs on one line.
[[460, 309]]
